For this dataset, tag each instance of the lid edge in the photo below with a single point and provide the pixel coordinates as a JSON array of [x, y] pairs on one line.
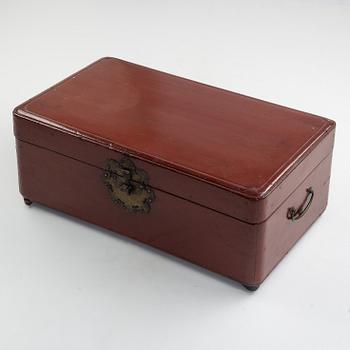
[[248, 192]]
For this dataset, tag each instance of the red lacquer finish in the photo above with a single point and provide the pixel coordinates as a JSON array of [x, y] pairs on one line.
[[230, 166]]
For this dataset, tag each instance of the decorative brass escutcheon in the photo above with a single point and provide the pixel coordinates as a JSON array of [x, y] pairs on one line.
[[128, 185]]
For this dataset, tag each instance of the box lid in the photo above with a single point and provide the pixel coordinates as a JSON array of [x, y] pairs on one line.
[[234, 142]]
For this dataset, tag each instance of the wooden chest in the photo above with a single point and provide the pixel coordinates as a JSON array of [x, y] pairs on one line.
[[223, 180]]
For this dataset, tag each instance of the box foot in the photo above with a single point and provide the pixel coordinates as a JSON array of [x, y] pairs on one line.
[[251, 288], [27, 201]]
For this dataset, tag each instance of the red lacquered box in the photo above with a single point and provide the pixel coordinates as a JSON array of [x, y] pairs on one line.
[[223, 180]]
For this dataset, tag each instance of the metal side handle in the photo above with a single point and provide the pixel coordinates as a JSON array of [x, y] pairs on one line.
[[295, 214]]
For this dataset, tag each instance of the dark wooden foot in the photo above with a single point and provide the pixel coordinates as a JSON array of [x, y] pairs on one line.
[[27, 201], [251, 288]]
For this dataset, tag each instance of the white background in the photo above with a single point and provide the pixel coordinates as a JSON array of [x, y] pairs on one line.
[[65, 284]]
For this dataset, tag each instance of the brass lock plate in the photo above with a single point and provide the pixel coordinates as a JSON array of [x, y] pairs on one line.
[[128, 185]]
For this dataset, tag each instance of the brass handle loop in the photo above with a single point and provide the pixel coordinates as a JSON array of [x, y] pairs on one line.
[[295, 214]]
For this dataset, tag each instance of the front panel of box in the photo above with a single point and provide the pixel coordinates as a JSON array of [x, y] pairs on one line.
[[187, 230]]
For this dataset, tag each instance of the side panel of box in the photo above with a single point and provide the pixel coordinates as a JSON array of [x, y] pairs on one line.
[[279, 234], [182, 228]]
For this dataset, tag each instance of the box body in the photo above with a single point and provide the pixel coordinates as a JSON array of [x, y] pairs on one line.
[[235, 221]]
